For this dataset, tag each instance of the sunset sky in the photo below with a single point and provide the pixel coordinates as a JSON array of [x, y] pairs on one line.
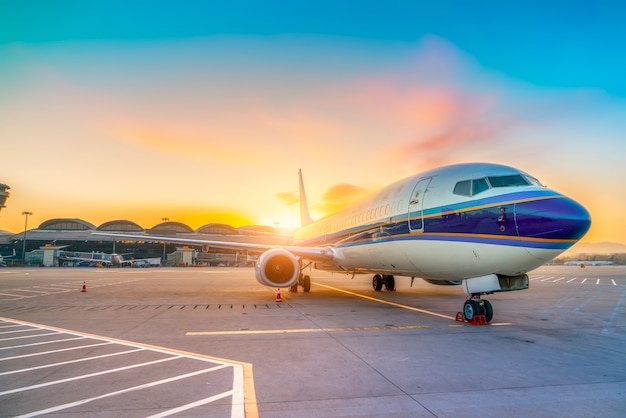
[[204, 111]]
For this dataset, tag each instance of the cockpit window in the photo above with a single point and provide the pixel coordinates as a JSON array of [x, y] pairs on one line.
[[463, 188], [475, 186], [534, 181], [508, 181], [479, 185]]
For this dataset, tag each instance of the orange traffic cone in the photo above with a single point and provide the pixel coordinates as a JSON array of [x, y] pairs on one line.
[[278, 298], [84, 287]]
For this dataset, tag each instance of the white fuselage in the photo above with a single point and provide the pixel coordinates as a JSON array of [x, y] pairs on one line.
[[420, 227]]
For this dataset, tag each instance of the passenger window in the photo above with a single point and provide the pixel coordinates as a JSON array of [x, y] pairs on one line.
[[463, 188], [479, 185]]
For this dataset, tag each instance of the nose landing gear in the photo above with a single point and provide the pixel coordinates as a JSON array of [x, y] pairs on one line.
[[477, 310]]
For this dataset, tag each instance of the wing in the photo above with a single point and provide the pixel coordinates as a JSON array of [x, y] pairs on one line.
[[309, 253]]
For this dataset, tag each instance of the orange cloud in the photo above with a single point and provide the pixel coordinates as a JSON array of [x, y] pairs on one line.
[[339, 197], [290, 198], [441, 103], [335, 198]]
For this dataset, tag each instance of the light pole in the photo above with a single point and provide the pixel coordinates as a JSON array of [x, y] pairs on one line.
[[24, 237], [164, 243]]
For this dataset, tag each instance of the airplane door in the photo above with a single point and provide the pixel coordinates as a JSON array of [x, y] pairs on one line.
[[416, 206]]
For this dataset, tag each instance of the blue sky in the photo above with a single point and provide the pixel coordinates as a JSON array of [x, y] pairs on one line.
[[569, 43], [199, 98]]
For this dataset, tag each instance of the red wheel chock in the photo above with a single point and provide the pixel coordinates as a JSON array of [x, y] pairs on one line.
[[476, 319]]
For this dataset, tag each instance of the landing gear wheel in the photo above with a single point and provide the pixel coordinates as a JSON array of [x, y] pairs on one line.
[[471, 308], [377, 282], [487, 310], [390, 282], [306, 283]]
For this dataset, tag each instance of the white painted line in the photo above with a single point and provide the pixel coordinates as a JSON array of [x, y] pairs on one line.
[[50, 288], [16, 296], [55, 351], [560, 278], [19, 330], [614, 284], [31, 291], [85, 376], [193, 405], [29, 336], [10, 326], [71, 361], [243, 391], [598, 281], [571, 280], [547, 278], [43, 342], [584, 280], [119, 392]]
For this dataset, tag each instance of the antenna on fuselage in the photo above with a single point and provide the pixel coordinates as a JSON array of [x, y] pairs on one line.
[[305, 217]]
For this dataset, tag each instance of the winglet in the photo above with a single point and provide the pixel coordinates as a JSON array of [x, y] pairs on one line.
[[305, 218]]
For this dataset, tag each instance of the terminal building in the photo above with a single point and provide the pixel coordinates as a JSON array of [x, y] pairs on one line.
[[51, 242]]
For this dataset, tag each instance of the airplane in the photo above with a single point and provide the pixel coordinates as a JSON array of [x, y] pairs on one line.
[[93, 258], [2, 257], [479, 225]]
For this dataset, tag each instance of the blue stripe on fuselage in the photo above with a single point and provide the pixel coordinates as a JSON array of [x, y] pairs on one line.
[[476, 221]]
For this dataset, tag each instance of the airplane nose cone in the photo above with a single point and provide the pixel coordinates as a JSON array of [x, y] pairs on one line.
[[553, 224]]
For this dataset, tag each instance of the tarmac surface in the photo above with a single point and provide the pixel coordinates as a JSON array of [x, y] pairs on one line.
[[213, 342]]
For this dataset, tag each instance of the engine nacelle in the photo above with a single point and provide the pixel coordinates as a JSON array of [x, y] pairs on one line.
[[277, 268], [443, 282]]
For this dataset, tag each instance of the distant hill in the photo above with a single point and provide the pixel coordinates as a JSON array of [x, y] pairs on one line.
[[597, 248]]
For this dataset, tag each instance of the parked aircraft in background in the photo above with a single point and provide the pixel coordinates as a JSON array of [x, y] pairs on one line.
[[93, 259], [588, 263], [477, 224], [2, 257]]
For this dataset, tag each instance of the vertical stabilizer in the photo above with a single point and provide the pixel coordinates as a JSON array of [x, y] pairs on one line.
[[305, 218]]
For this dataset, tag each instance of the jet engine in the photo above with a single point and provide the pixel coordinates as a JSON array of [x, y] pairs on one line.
[[277, 268]]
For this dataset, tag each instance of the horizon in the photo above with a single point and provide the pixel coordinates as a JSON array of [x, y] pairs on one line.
[[204, 114]]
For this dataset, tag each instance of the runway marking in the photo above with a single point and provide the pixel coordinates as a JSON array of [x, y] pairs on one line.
[[617, 311], [71, 361], [17, 330], [304, 330], [614, 284], [16, 296], [548, 278], [42, 343], [31, 291], [85, 376], [119, 392], [397, 305], [57, 288], [243, 392], [571, 280], [584, 280], [54, 351]]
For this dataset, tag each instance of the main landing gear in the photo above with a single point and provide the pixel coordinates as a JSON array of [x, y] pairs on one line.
[[380, 280], [475, 307], [305, 281]]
